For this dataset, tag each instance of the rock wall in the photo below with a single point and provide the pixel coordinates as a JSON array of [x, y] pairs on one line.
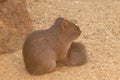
[[15, 24]]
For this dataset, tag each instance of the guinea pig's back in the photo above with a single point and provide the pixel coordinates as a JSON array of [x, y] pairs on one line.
[[34, 41]]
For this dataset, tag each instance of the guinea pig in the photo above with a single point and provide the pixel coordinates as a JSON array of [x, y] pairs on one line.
[[43, 48]]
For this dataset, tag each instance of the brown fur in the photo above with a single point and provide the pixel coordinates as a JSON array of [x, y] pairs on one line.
[[3, 1], [76, 54], [42, 49]]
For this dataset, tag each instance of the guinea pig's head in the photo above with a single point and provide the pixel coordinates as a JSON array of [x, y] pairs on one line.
[[69, 29]]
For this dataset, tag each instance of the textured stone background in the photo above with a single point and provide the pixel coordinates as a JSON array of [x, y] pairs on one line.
[[15, 24], [99, 21]]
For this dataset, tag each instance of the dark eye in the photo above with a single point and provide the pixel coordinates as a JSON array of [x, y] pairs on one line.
[[65, 26]]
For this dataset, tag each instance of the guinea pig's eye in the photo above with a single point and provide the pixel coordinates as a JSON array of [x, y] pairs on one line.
[[65, 26], [74, 28]]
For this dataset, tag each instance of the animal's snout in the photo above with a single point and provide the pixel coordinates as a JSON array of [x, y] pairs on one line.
[[78, 29]]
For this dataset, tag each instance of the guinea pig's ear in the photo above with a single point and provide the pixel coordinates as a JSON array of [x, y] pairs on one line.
[[59, 20]]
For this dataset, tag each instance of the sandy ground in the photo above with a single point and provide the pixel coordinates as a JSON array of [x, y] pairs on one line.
[[99, 21]]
